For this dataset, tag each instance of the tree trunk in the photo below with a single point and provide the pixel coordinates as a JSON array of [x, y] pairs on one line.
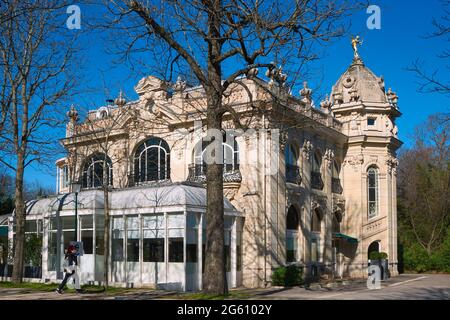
[[106, 239], [214, 277], [19, 244]]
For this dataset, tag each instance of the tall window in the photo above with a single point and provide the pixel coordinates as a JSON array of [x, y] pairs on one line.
[[292, 169], [292, 223], [372, 192], [152, 161], [317, 162], [133, 239], [316, 221], [65, 176], [316, 176], [87, 233], [95, 173], [335, 181], [230, 156], [154, 235]]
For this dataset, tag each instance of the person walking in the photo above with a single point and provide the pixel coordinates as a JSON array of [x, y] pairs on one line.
[[70, 269]]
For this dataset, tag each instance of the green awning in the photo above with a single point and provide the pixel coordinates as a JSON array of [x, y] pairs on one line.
[[345, 237]]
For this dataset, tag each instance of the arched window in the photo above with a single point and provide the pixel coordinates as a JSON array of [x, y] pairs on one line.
[[316, 221], [292, 169], [372, 192], [230, 155], [97, 170], [292, 224], [316, 176], [152, 161], [335, 181]]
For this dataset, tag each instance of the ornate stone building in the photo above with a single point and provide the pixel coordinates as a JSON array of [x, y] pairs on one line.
[[305, 185]]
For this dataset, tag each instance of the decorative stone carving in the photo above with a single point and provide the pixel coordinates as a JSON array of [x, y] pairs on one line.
[[283, 139], [307, 148], [392, 163], [276, 75], [150, 89], [73, 114], [306, 93], [355, 160], [349, 81], [179, 85], [328, 156], [326, 104], [120, 100], [339, 205], [354, 94], [392, 97], [252, 73], [338, 97]]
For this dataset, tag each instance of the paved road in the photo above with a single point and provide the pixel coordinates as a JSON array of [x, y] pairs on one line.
[[405, 287]]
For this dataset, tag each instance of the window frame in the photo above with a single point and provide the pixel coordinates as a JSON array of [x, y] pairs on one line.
[[142, 156], [372, 171]]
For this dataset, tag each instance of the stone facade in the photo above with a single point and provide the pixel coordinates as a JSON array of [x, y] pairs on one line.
[[312, 163]]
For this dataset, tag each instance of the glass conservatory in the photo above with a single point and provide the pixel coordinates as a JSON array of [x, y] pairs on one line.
[[157, 236]]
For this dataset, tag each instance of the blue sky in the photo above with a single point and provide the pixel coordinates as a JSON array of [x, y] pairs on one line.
[[386, 52]]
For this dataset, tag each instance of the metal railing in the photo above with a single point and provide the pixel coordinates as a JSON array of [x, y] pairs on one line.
[[197, 173], [293, 174], [316, 180]]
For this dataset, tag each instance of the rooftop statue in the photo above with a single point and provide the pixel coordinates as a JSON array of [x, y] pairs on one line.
[[355, 42]]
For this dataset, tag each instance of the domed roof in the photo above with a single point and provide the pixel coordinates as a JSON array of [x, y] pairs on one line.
[[359, 83]]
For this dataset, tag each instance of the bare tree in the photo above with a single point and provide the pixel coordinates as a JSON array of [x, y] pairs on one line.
[[431, 81], [35, 53], [218, 42], [424, 179]]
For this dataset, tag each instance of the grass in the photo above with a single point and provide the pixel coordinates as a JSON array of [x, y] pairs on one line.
[[49, 287]]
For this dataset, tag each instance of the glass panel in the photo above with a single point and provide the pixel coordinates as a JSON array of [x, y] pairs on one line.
[[133, 223], [52, 247], [175, 221], [30, 226], [117, 241], [54, 223], [99, 234], [68, 222], [87, 239], [117, 250], [176, 250], [133, 250], [87, 222], [372, 194], [153, 250], [153, 222], [68, 236]]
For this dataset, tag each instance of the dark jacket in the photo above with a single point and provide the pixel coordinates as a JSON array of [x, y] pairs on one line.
[[72, 259]]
